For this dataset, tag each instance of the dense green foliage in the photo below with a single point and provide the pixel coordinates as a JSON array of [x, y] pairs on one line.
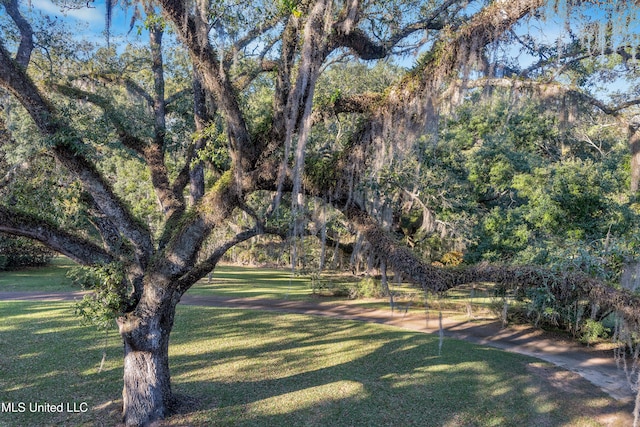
[[504, 181], [108, 299], [536, 192], [16, 252]]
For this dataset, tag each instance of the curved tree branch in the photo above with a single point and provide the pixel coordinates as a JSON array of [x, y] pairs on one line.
[[436, 279], [76, 248], [126, 138], [555, 89], [214, 78], [346, 34], [252, 35], [63, 140], [203, 268], [153, 154]]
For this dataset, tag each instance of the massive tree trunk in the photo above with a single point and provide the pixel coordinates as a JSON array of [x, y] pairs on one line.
[[146, 393]]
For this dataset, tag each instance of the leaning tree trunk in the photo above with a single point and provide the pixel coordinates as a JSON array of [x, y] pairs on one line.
[[146, 394]]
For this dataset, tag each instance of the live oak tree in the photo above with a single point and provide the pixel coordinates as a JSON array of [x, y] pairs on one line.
[[228, 155]]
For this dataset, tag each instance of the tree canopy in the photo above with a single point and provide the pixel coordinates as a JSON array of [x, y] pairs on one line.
[[452, 120]]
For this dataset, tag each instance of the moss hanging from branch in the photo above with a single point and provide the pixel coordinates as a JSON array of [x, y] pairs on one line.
[[566, 286]]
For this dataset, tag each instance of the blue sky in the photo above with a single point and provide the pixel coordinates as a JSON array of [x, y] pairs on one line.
[[89, 21], [93, 16]]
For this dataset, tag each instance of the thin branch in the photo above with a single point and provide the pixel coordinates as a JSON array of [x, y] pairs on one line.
[[176, 96], [585, 138], [214, 79], [578, 54], [244, 80], [554, 89], [152, 154], [203, 268], [124, 135], [136, 89], [252, 35]]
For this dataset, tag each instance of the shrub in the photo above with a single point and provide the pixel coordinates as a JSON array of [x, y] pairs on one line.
[[18, 252], [592, 330], [109, 298], [369, 288], [324, 287]]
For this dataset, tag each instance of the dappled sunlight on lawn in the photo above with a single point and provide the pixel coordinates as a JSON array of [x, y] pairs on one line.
[[53, 358], [311, 398], [270, 368], [252, 282], [265, 346], [246, 368]]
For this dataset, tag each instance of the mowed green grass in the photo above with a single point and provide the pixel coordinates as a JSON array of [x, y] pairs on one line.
[[251, 282], [252, 368], [238, 282], [46, 356], [51, 278], [232, 281]]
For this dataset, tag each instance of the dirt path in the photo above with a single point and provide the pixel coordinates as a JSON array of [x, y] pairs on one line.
[[596, 366]]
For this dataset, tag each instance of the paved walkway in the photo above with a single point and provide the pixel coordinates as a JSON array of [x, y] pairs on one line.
[[598, 367]]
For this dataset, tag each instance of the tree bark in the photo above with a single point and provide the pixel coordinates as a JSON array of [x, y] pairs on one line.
[[146, 393], [634, 146]]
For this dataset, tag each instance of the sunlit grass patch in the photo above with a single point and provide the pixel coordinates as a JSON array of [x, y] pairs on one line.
[[50, 278], [314, 399], [48, 357], [252, 368], [287, 369], [250, 282]]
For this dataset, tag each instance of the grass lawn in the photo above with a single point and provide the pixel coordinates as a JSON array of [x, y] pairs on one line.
[[247, 282], [232, 281], [51, 278], [251, 368], [252, 282]]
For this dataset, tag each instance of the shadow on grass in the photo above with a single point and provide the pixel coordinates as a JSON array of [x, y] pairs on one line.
[[238, 367], [281, 369], [47, 357]]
